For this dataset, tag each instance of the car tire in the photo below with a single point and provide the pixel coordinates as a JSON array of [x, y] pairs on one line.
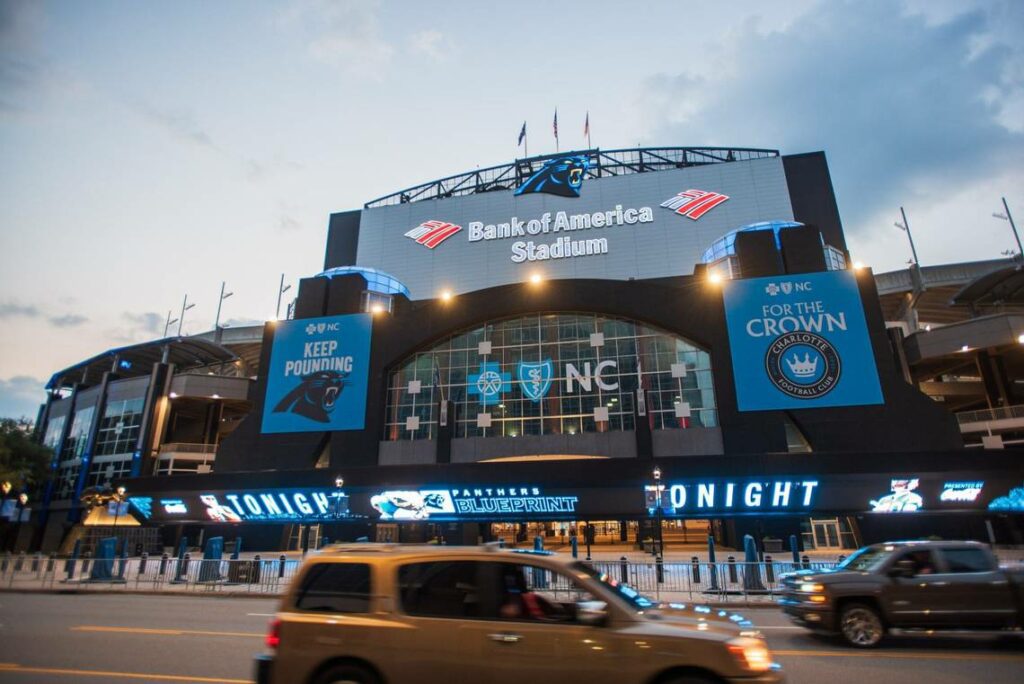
[[861, 626], [346, 674], [688, 679]]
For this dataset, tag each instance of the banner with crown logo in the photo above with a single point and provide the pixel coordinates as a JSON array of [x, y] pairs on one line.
[[800, 341]]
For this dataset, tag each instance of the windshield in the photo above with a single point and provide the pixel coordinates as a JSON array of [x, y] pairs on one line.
[[635, 599], [863, 560]]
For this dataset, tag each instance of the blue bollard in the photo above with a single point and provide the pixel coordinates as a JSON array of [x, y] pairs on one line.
[[795, 549], [69, 564], [575, 546], [751, 569], [711, 563]]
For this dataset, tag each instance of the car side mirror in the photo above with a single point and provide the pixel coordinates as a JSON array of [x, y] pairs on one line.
[[902, 568], [592, 613]]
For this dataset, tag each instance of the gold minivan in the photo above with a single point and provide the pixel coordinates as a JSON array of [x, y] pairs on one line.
[[387, 614]]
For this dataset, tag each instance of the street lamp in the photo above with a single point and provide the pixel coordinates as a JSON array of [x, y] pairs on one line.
[[169, 323], [223, 296], [657, 506], [118, 499], [1007, 216], [905, 227], [22, 500], [339, 482], [6, 488], [185, 306], [281, 289]]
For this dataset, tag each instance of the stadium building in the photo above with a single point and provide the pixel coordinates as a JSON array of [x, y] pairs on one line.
[[631, 344]]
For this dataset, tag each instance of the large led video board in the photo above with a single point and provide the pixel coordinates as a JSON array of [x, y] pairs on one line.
[[641, 225]]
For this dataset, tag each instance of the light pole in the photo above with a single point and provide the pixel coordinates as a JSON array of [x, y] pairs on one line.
[[185, 306], [657, 495], [339, 482], [5, 487], [118, 499], [19, 510], [216, 321], [169, 322], [281, 289], [905, 227], [1009, 217]]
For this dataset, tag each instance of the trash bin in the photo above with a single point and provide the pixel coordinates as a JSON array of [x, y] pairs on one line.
[[244, 572], [772, 545]]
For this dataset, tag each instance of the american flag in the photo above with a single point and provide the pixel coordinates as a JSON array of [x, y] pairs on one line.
[[432, 233], [694, 203]]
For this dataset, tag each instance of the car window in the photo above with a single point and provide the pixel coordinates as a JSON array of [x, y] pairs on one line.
[[440, 589], [532, 593], [335, 588], [967, 560], [923, 560]]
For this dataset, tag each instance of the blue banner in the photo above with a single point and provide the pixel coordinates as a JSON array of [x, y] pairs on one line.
[[800, 341], [318, 375]]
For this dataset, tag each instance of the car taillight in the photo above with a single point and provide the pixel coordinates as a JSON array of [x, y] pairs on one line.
[[273, 637]]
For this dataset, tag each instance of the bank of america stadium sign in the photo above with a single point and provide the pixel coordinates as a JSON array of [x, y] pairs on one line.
[[575, 235]]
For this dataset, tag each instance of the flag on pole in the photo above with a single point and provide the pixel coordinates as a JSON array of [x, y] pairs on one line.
[[522, 134], [554, 124], [586, 126]]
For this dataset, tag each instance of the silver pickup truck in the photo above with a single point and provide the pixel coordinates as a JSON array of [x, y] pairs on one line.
[[913, 587]]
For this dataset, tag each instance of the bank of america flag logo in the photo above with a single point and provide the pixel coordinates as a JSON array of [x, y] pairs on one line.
[[694, 203], [432, 233]]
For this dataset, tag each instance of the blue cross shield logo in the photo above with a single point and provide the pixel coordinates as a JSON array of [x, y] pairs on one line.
[[489, 383], [535, 379]]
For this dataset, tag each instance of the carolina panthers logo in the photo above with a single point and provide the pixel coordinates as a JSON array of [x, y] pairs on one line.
[[315, 397], [561, 177]]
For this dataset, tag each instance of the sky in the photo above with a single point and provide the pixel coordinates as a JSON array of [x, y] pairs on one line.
[[153, 150]]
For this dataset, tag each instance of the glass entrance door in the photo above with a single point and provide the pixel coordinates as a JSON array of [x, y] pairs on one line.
[[826, 534]]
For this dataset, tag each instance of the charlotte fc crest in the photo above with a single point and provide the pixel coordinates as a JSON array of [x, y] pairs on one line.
[[803, 365], [535, 378]]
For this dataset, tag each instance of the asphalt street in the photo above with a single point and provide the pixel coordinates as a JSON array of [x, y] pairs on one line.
[[131, 638]]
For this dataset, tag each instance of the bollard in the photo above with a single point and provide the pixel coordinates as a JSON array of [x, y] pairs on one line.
[[575, 547], [86, 557], [731, 561], [122, 563], [254, 569], [183, 566], [36, 560], [280, 567], [794, 549], [806, 561], [163, 564], [624, 569], [695, 562], [20, 562], [51, 562], [142, 563], [769, 569], [659, 567], [4, 561]]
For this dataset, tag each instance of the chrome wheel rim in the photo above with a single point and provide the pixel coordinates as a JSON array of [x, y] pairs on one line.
[[861, 627]]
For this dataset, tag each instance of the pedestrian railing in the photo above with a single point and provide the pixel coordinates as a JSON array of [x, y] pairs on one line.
[[728, 581]]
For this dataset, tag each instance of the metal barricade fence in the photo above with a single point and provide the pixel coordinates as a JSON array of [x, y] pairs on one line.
[[684, 581]]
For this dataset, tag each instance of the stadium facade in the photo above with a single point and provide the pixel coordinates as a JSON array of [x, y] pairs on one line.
[[518, 350]]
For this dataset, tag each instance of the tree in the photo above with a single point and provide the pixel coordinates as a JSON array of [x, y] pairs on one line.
[[23, 462]]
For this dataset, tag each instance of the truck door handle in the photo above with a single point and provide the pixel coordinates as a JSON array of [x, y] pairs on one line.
[[939, 584], [505, 637]]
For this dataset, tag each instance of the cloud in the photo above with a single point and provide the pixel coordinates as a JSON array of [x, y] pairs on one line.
[[343, 34], [431, 43], [149, 322], [21, 396], [179, 125], [67, 320], [903, 104], [10, 310]]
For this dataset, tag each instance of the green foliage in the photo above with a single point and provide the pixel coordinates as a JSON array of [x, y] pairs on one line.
[[23, 462]]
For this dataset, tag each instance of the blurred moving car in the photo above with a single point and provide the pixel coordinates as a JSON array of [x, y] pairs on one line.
[[912, 587], [376, 614]]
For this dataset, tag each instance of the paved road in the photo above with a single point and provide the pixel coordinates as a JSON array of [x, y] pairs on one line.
[[129, 638]]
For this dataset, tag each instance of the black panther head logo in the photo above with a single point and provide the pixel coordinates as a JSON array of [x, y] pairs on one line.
[[433, 501], [562, 176], [315, 396]]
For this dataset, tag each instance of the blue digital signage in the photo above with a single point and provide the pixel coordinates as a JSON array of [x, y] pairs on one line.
[[318, 375], [800, 341], [731, 496], [468, 502]]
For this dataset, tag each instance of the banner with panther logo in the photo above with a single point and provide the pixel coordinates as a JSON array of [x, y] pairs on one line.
[[800, 341], [318, 375]]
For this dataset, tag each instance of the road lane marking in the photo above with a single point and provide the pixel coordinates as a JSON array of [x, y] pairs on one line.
[[893, 654], [8, 668], [162, 632]]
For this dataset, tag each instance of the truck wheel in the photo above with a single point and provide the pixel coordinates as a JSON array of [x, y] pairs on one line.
[[346, 674], [860, 625]]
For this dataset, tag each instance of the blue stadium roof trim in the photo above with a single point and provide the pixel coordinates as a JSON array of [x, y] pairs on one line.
[[725, 246], [603, 164], [376, 280]]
